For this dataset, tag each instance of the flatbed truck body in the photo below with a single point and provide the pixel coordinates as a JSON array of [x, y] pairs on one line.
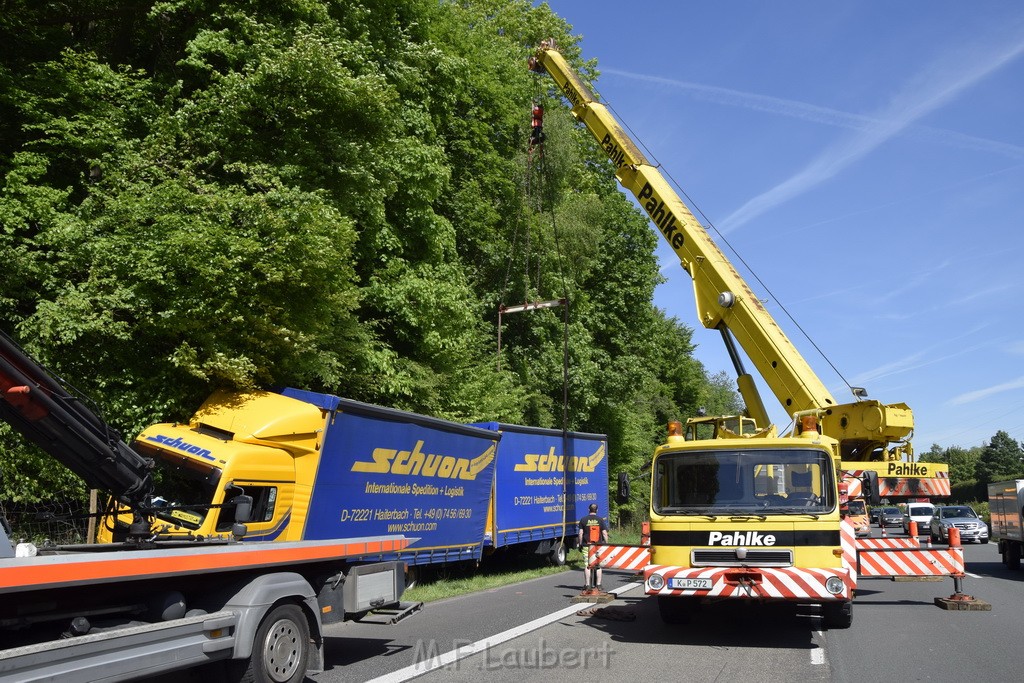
[[94, 613]]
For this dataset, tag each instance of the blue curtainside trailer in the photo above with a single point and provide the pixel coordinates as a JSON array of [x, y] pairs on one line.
[[544, 480], [385, 469]]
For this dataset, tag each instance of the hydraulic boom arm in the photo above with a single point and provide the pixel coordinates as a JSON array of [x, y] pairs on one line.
[[42, 409], [865, 429]]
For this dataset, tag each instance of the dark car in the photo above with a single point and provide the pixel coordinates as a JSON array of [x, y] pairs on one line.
[[963, 517], [873, 513], [890, 516]]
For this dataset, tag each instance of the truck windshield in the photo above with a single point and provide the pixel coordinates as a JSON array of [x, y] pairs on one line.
[[757, 482], [185, 487], [857, 507]]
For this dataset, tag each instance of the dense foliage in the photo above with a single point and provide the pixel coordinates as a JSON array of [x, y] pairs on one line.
[[328, 194], [971, 470]]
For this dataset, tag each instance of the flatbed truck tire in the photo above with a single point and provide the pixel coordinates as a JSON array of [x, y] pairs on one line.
[[1011, 555], [280, 651]]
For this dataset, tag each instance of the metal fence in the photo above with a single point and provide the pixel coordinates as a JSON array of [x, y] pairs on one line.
[[56, 521]]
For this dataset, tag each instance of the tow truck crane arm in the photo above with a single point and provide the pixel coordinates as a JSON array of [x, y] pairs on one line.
[[866, 429], [47, 413]]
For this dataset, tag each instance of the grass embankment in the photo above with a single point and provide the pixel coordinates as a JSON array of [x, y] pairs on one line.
[[437, 583]]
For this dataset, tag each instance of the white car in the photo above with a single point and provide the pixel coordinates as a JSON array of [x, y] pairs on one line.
[[963, 517], [920, 513]]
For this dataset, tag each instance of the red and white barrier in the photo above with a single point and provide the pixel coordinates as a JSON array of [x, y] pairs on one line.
[[624, 557]]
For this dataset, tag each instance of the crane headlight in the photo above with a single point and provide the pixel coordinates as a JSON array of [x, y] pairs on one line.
[[726, 299], [834, 585], [655, 582]]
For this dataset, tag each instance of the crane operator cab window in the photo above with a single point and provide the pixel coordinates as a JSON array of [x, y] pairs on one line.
[[770, 481]]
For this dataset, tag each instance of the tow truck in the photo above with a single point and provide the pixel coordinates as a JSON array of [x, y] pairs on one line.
[[155, 603], [738, 511]]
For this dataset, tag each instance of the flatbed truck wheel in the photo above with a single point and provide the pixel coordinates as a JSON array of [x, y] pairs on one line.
[[1011, 556], [280, 652]]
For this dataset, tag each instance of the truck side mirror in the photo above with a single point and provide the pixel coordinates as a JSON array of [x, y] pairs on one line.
[[869, 485], [622, 495], [243, 508]]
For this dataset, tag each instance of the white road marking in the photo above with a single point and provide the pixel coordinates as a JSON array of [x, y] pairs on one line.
[[463, 651]]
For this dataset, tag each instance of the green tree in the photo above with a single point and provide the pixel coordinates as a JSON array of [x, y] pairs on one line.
[[197, 194], [962, 461], [1001, 458]]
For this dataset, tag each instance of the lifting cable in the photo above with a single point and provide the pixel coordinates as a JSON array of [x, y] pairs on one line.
[[535, 200]]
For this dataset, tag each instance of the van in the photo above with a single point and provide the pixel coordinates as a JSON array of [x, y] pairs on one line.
[[918, 512]]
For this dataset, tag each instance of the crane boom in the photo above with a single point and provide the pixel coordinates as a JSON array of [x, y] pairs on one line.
[[866, 429]]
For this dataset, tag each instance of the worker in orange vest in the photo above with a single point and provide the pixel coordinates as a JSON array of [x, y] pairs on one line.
[[593, 529]]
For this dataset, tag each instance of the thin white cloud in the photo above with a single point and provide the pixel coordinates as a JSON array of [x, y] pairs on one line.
[[812, 113], [936, 86], [923, 357], [979, 394], [986, 293], [943, 190]]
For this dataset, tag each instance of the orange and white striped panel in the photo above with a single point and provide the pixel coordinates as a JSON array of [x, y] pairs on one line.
[[889, 542], [625, 557], [848, 543], [910, 562], [902, 488], [762, 583], [899, 487]]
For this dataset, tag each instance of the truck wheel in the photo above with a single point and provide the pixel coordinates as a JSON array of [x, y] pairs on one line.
[[1011, 555], [838, 614], [557, 554], [280, 651]]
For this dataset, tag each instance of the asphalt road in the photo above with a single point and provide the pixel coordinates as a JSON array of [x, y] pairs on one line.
[[532, 631]]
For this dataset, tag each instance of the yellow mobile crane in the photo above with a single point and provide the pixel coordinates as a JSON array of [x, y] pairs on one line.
[[748, 513]]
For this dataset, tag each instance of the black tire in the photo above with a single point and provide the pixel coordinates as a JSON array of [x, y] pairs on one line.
[[412, 576], [676, 610], [1012, 555], [558, 553], [838, 614], [280, 652]]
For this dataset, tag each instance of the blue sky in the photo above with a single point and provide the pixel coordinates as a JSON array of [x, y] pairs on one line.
[[866, 161]]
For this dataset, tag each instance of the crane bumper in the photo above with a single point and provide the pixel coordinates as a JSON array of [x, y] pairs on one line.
[[752, 583]]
